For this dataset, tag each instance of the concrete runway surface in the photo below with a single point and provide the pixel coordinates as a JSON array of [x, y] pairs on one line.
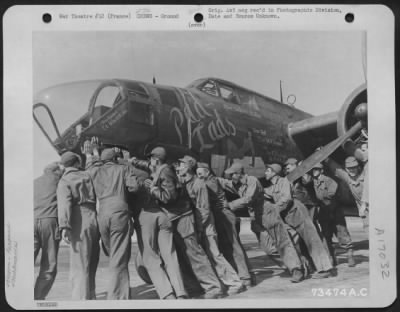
[[272, 280]]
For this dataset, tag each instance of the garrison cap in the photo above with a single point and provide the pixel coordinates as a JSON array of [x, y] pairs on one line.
[[350, 162], [291, 161], [69, 158], [203, 165], [236, 167], [275, 168], [108, 154], [189, 160], [158, 152], [318, 166]]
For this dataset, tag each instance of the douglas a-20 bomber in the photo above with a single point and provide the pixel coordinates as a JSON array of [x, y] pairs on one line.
[[212, 119]]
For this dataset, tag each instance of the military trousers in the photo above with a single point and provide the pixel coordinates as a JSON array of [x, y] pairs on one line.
[[229, 242], [332, 221], [298, 218], [116, 229], [193, 257], [276, 228], [46, 238], [84, 252], [224, 270], [159, 253]]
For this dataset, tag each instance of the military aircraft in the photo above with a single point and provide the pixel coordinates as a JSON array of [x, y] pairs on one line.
[[212, 119], [215, 120]]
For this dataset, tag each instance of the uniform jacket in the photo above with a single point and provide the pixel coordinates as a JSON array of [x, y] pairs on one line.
[[45, 196], [325, 189], [170, 195], [304, 193], [216, 194], [141, 199], [356, 185], [280, 192], [198, 193], [250, 191], [75, 189], [111, 182]]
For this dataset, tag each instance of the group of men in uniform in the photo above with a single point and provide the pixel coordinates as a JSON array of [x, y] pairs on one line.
[[187, 231]]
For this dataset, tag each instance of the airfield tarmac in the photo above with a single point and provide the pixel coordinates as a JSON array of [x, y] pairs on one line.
[[272, 280]]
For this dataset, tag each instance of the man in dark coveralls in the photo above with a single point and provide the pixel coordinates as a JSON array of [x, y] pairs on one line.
[[331, 214], [155, 239], [46, 230], [295, 214], [228, 237], [198, 192], [266, 216]]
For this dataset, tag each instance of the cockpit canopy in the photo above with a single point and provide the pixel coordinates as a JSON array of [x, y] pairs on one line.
[[230, 92]]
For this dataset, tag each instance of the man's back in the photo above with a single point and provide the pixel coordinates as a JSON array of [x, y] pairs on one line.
[[79, 185], [111, 182], [45, 196]]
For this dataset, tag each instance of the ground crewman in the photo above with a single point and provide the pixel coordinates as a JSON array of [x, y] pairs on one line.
[[111, 182], [303, 190], [77, 218], [155, 239], [46, 230], [228, 238], [294, 213], [264, 215], [173, 200], [331, 215], [354, 177], [198, 192]]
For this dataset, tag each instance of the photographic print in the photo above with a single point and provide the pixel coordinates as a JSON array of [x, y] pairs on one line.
[[207, 162]]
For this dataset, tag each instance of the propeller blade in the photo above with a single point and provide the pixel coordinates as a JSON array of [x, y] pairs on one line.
[[322, 154]]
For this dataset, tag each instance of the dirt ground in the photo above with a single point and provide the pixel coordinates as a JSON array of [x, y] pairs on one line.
[[272, 280]]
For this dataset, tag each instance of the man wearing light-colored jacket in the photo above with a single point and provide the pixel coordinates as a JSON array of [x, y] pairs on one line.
[[77, 218]]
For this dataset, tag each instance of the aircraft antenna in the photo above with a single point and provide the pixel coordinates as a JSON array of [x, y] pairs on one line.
[[280, 88], [154, 79]]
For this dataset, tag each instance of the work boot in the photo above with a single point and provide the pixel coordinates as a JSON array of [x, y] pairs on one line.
[[322, 274], [297, 276], [350, 258], [233, 290], [213, 294]]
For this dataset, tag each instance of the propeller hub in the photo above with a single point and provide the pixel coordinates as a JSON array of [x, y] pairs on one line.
[[361, 111]]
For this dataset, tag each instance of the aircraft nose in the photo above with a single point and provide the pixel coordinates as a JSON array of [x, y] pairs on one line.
[[361, 111]]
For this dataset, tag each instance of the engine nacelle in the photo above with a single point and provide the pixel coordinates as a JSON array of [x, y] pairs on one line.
[[310, 133]]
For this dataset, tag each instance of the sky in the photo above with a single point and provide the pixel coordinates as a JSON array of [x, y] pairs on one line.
[[320, 68]]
